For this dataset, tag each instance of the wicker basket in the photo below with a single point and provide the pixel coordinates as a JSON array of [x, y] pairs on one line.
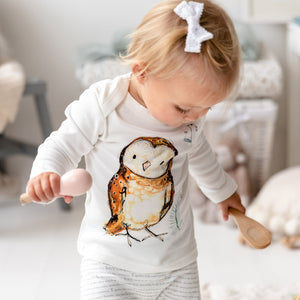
[[252, 122]]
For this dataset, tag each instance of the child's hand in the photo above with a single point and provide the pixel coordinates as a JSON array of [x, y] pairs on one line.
[[233, 201], [45, 187]]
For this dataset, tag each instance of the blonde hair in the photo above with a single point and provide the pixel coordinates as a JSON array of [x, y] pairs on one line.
[[158, 43]]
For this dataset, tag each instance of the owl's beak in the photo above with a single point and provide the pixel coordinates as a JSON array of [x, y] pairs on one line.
[[146, 165]]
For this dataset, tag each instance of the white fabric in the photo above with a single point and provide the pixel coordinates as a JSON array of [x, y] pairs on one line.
[[106, 68], [277, 205], [261, 78], [191, 12], [99, 281], [100, 125], [12, 81], [251, 292]]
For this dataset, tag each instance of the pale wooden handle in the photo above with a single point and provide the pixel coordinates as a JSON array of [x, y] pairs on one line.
[[235, 212], [25, 198], [253, 232]]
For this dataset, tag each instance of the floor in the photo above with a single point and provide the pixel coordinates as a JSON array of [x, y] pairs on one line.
[[39, 261]]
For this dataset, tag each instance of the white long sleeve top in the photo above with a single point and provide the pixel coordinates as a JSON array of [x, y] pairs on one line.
[[137, 212]]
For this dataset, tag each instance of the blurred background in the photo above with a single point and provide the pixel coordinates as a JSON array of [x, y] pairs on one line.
[[50, 51]]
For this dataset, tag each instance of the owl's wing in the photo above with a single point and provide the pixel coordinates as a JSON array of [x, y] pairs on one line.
[[169, 194], [117, 190]]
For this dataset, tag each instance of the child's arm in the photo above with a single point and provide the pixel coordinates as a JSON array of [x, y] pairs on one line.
[[214, 182], [63, 149], [233, 201]]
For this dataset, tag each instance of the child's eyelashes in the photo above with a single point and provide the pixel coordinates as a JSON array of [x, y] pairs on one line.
[[185, 111], [181, 110]]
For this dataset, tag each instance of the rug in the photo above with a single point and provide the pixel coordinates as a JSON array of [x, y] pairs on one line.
[[250, 292]]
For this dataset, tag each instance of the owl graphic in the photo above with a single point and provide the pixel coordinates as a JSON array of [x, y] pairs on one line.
[[141, 192]]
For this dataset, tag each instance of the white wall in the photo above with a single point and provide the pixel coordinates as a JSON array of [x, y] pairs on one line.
[[44, 36]]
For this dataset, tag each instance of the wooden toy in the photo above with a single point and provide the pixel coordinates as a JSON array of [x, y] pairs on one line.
[[73, 183], [255, 234]]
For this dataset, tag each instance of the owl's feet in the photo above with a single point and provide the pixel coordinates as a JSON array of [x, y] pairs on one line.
[[129, 236], [152, 234]]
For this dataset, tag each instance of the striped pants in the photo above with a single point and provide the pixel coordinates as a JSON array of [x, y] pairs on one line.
[[101, 281]]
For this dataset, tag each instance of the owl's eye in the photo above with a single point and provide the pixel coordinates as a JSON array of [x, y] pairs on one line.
[[134, 156], [162, 162]]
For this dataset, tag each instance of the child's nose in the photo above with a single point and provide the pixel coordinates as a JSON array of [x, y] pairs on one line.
[[192, 116]]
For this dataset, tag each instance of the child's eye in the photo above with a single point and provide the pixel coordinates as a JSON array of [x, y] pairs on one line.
[[181, 110]]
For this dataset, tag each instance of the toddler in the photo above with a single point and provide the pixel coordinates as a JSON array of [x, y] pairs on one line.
[[141, 137]]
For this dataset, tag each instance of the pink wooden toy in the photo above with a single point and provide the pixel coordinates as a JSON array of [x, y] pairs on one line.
[[73, 183]]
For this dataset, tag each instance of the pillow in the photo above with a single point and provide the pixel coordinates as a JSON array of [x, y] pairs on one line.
[[277, 205]]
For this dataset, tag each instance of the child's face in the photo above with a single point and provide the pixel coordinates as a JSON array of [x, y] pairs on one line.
[[179, 100]]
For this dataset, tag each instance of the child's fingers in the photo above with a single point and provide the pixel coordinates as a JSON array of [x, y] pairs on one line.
[[54, 181], [68, 199], [46, 188], [239, 206], [31, 192], [233, 201], [39, 192], [242, 208], [224, 211], [225, 214]]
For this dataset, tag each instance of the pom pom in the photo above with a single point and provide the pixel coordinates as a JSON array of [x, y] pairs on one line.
[[292, 227], [276, 224]]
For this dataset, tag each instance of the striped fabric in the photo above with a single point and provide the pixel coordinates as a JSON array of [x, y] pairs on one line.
[[102, 281]]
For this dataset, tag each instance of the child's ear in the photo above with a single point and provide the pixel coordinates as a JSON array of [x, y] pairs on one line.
[[138, 69]]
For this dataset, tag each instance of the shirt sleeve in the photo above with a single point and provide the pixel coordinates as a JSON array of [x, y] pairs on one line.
[[64, 148], [214, 182]]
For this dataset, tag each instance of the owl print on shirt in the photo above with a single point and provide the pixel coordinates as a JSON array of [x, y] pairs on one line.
[[141, 193]]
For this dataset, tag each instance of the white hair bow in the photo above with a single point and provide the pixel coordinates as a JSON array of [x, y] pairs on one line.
[[191, 12]]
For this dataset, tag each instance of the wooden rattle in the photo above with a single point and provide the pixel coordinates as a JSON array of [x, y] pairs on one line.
[[253, 232], [73, 183]]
